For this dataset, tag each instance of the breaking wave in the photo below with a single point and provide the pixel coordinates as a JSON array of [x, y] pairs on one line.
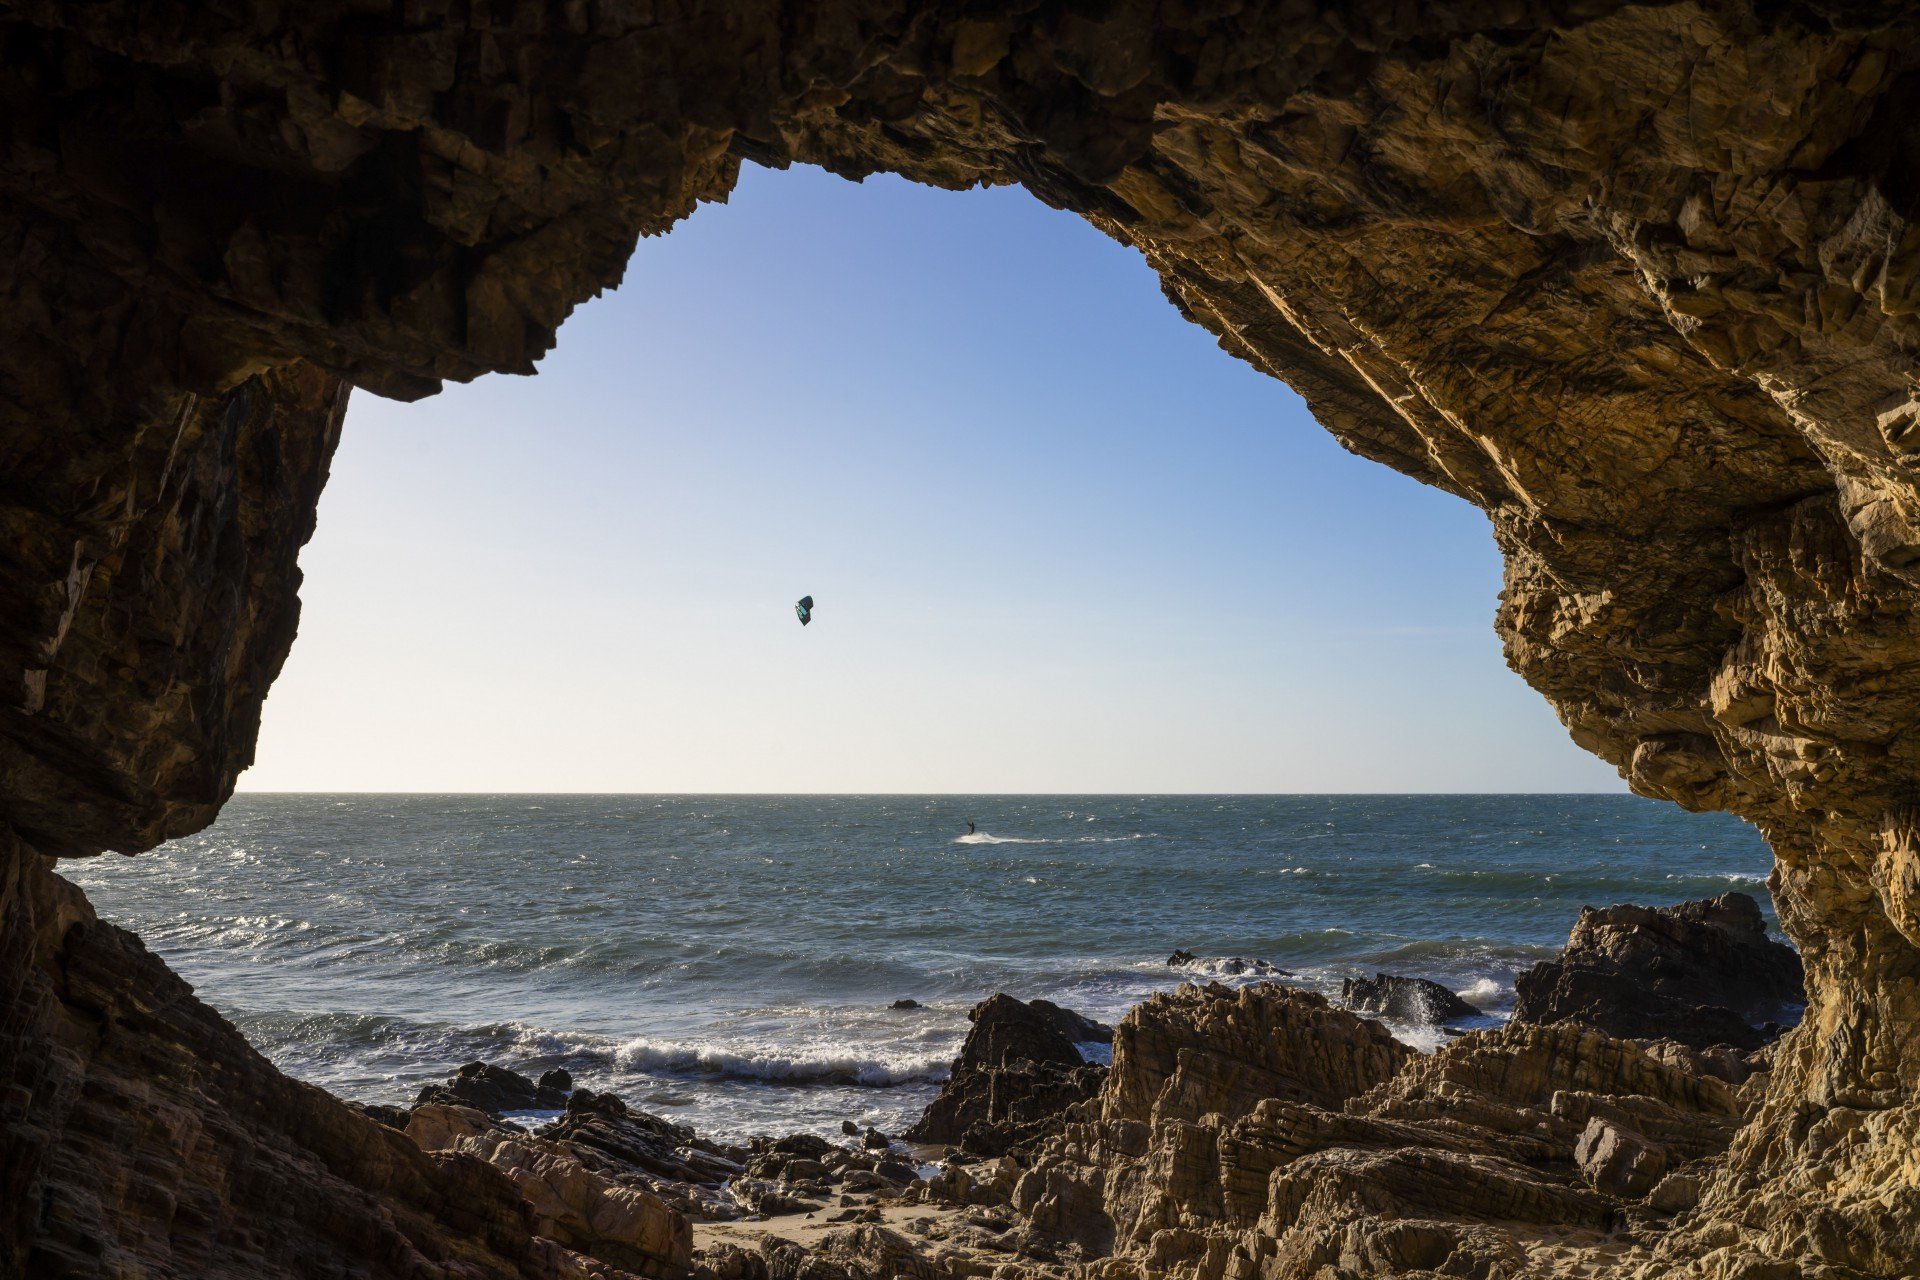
[[1485, 992], [801, 1067], [1731, 877], [1231, 967]]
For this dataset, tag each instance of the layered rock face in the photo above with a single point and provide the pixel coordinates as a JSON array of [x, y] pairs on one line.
[[624, 1225], [1638, 280], [1263, 1133]]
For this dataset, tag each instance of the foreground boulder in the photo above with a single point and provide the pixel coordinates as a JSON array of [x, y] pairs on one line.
[[670, 1160], [1617, 1160], [583, 1210], [1415, 1000], [1702, 973], [1018, 1070]]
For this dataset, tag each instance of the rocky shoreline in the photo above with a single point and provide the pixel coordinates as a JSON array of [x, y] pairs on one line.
[[1258, 1130]]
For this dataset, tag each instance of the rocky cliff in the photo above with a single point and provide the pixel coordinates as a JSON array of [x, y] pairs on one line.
[[1640, 280]]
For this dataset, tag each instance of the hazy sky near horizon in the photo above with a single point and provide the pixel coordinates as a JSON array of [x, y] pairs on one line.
[[1058, 540]]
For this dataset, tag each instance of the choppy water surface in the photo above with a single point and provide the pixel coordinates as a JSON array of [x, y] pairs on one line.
[[729, 960]]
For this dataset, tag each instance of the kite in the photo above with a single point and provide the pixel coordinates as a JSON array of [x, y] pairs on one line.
[[804, 610]]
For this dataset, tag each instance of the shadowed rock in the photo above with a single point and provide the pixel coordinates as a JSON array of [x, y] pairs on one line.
[[1702, 973], [1007, 1031], [1018, 1070], [1416, 1000], [495, 1089], [322, 1189], [605, 1133]]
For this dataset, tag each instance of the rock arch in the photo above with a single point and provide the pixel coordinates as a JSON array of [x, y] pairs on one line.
[[1639, 280]]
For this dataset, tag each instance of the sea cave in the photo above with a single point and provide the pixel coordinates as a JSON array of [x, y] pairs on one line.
[[1638, 280]]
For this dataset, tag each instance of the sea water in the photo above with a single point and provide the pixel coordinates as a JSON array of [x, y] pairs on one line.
[[731, 961]]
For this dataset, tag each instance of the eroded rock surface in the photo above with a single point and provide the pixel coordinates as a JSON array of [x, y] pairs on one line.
[[1639, 280], [1474, 1161], [606, 1218], [1702, 973], [1218, 1050]]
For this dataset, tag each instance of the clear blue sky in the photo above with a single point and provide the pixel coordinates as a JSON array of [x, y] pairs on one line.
[[1059, 541]]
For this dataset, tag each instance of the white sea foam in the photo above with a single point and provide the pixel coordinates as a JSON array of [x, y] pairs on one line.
[[801, 1066], [1428, 1037], [529, 1040], [1231, 967], [1425, 1039], [981, 837], [1484, 991]]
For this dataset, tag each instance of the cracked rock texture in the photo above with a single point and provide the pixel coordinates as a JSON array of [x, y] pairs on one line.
[[617, 1222], [1640, 280], [1264, 1133]]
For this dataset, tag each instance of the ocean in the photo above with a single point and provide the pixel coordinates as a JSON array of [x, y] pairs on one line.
[[730, 961]]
